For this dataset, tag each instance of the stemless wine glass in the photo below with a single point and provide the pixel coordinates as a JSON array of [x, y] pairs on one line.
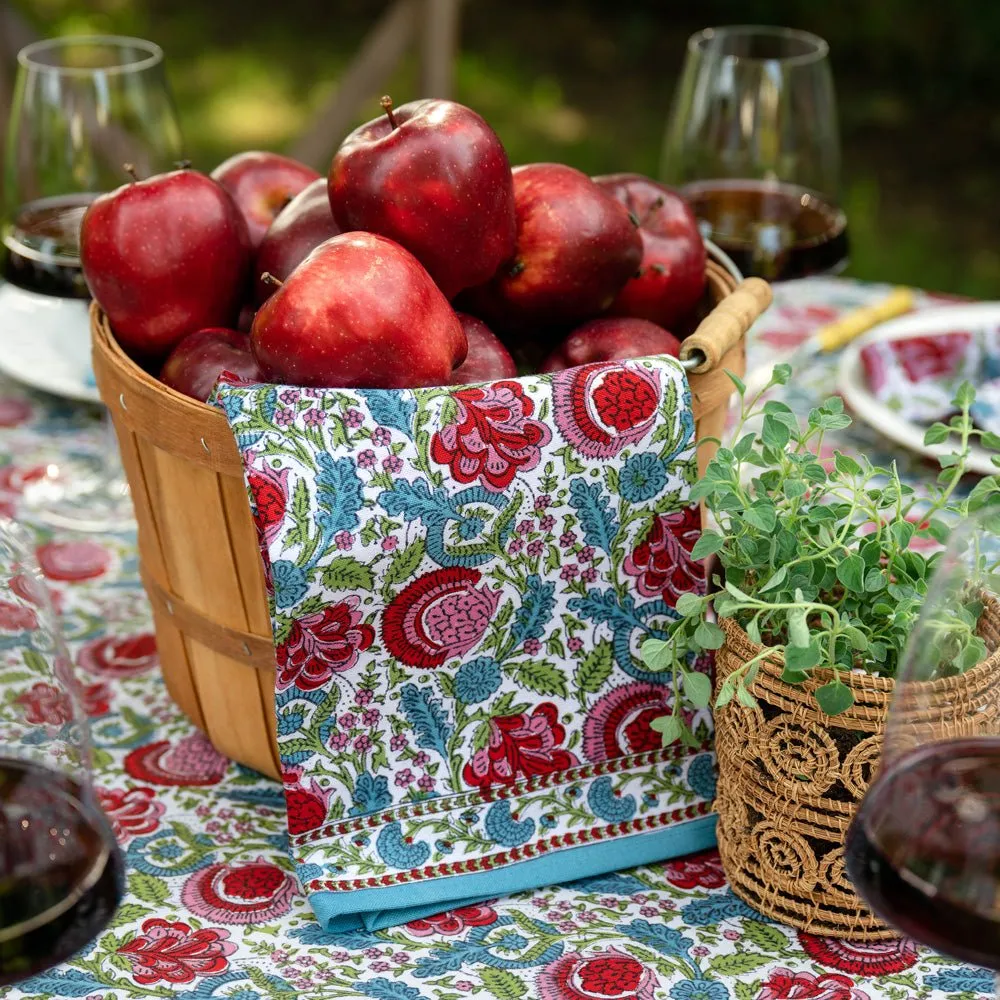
[[83, 108], [753, 144], [924, 848], [60, 868]]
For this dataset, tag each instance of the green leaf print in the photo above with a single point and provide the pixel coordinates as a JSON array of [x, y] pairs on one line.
[[542, 677], [405, 562], [345, 573], [502, 984], [596, 667]]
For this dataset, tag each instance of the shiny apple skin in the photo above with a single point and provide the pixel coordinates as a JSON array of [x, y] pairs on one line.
[[611, 338], [487, 359], [194, 365], [438, 184], [359, 312]]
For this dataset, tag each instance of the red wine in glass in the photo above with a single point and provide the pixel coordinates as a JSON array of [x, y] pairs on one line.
[[61, 872], [42, 246], [924, 848]]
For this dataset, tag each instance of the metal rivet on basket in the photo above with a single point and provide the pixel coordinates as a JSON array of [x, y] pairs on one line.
[[204, 445], [246, 647], [170, 607], [121, 399]]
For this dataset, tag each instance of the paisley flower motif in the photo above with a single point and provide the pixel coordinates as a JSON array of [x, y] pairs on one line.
[[870, 958], [132, 812], [493, 436], [307, 807], [251, 893], [601, 408], [17, 617], [931, 357], [45, 704], [783, 984], [454, 921], [190, 761], [642, 477], [662, 563], [72, 562], [439, 616], [112, 656], [698, 870], [477, 679], [605, 974], [322, 644], [619, 723], [519, 746], [174, 953], [269, 499]]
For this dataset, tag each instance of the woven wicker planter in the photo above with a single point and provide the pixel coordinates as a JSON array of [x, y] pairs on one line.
[[791, 778]]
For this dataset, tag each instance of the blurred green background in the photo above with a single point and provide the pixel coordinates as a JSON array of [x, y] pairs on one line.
[[589, 82]]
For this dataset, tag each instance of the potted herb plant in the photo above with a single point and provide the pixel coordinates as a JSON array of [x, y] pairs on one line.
[[817, 585]]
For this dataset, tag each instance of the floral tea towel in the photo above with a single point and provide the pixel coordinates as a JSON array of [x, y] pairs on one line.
[[460, 581]]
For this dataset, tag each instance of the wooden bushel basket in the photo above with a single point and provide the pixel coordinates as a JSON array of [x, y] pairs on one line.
[[200, 562]]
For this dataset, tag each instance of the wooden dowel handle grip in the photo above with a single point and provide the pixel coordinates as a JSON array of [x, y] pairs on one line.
[[726, 325]]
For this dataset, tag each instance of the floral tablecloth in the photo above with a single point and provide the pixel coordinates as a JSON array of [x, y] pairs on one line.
[[214, 911]]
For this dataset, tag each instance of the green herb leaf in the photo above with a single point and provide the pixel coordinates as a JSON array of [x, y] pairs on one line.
[[656, 655], [726, 692], [688, 605], [708, 635], [774, 433], [776, 581], [937, 433], [745, 697], [965, 395], [762, 515], [790, 676], [855, 637], [851, 573], [874, 581], [669, 728], [799, 658], [846, 465], [798, 629], [709, 543], [781, 374], [741, 386], [990, 440], [698, 689], [834, 698]]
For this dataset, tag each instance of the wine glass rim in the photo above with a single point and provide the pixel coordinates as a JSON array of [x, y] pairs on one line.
[[153, 54], [817, 48]]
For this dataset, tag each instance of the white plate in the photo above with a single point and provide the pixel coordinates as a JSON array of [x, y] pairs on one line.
[[45, 343], [852, 385]]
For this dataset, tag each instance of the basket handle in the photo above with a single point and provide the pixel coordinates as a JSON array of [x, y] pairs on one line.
[[725, 326]]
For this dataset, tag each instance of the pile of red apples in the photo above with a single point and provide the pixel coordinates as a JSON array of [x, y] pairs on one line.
[[422, 259]]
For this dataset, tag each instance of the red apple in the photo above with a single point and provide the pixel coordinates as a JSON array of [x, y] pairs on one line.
[[305, 223], [576, 248], [245, 319], [262, 184], [165, 257], [359, 312], [611, 338], [195, 364], [487, 359], [433, 176], [671, 278]]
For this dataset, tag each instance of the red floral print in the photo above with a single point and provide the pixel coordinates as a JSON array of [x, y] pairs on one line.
[[607, 974], [307, 807], [174, 953], [619, 724], [45, 705], [251, 893], [14, 478], [14, 411], [794, 324], [783, 984], [520, 745], [700, 870], [132, 812], [190, 761], [96, 699], [322, 644], [931, 357], [72, 562], [17, 617], [454, 921], [269, 489], [871, 958], [438, 616], [601, 408], [493, 436], [662, 563], [111, 656]]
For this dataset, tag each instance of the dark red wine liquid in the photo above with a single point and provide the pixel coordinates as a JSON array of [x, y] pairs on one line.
[[924, 849], [61, 873], [42, 246], [773, 231]]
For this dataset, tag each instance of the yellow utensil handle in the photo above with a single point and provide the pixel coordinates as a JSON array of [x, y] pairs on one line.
[[845, 329]]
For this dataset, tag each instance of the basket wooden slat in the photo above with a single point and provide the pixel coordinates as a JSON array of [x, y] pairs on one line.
[[198, 544]]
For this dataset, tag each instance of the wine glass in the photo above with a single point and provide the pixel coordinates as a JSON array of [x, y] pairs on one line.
[[752, 143], [61, 872], [924, 847], [83, 108]]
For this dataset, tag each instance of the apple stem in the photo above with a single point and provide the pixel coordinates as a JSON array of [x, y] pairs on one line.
[[516, 268], [386, 103], [270, 279], [129, 168], [652, 210]]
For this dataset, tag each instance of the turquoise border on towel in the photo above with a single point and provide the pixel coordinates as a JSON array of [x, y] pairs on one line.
[[373, 909]]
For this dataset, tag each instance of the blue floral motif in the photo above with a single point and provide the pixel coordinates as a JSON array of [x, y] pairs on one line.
[[371, 794], [390, 408], [290, 583], [591, 504], [606, 805], [715, 909], [503, 829], [699, 989], [339, 494], [535, 612], [308, 872], [396, 852], [642, 477], [963, 979], [290, 721], [701, 775], [426, 715], [477, 679], [164, 853]]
